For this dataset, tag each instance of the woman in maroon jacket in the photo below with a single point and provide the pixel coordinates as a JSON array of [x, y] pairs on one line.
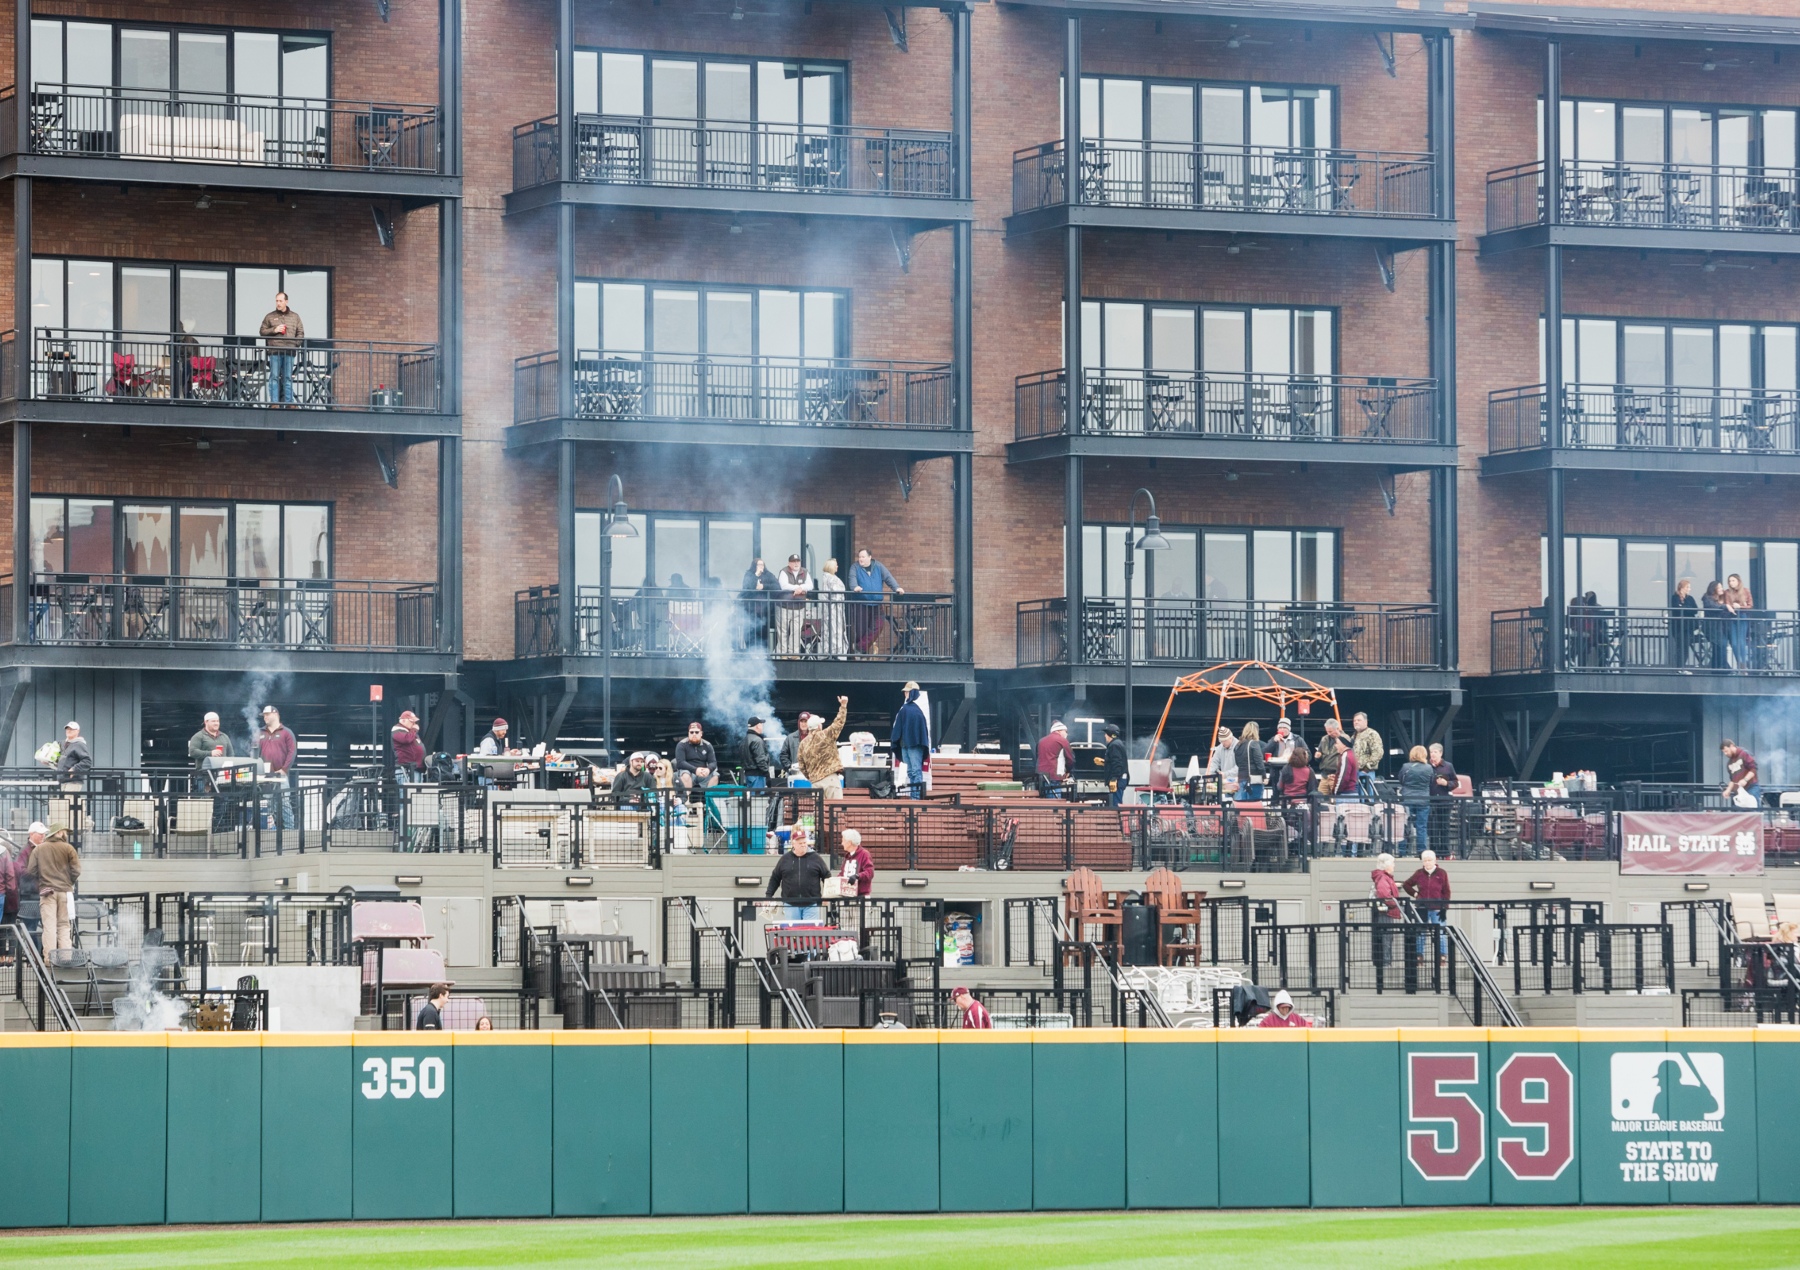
[[858, 869], [1430, 886]]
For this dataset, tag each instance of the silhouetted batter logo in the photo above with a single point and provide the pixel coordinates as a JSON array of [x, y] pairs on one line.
[[1668, 1092]]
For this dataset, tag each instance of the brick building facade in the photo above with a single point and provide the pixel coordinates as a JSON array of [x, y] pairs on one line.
[[796, 273]]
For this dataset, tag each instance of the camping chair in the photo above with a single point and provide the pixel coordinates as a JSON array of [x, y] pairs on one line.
[[204, 383], [1177, 911], [127, 380]]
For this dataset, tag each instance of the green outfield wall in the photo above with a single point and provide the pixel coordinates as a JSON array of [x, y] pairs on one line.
[[140, 1129]]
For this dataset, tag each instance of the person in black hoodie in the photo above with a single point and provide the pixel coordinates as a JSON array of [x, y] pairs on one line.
[[758, 765], [431, 1014], [1118, 764], [798, 874]]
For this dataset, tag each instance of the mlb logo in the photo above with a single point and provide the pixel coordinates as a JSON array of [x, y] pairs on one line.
[[1669, 1086]]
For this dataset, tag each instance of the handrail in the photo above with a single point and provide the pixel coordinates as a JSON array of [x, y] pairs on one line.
[[1485, 993], [27, 956], [765, 974], [1121, 989]]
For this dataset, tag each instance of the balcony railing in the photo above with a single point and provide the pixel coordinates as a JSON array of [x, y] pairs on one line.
[[817, 392], [1636, 417], [316, 133], [1649, 196], [132, 611], [223, 370], [1188, 176], [1374, 409], [697, 625], [708, 154], [1655, 641], [1204, 632]]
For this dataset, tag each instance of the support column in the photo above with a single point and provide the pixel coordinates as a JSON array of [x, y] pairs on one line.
[[450, 575], [1553, 155], [565, 89], [565, 548], [450, 329], [565, 214], [20, 371], [962, 323], [1073, 512], [1555, 607], [450, 84], [1442, 322]]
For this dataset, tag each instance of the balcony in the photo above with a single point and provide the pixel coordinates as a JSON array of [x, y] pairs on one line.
[[669, 397], [1240, 189], [161, 623], [1187, 414], [838, 169], [1638, 427], [673, 634], [144, 137], [1652, 650], [1180, 636], [153, 379], [1679, 206]]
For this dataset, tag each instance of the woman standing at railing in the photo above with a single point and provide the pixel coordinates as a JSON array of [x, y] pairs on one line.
[[1716, 621], [835, 640], [1738, 603]]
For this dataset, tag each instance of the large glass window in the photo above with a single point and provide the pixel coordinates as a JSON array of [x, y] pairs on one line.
[[179, 61], [1642, 573], [1648, 353], [1281, 566], [269, 542], [1216, 339], [1684, 136], [1221, 115], [635, 317], [725, 89], [707, 550], [153, 298]]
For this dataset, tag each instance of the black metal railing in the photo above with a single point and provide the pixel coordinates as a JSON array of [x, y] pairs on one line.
[[1593, 957], [826, 392], [1739, 1007], [580, 832], [266, 929], [46, 1006], [89, 610], [1359, 409], [1638, 417], [155, 367], [694, 625], [1648, 196], [1320, 1007], [1383, 957], [1191, 176], [183, 126], [778, 158], [1205, 632], [505, 1011], [1759, 642]]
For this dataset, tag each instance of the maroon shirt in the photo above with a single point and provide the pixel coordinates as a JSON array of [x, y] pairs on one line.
[[1431, 889], [1052, 745], [276, 748], [409, 751]]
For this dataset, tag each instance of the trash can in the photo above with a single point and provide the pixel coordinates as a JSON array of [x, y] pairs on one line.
[[740, 816], [1137, 934]]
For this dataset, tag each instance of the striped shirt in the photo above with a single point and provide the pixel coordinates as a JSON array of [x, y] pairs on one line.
[[976, 1015]]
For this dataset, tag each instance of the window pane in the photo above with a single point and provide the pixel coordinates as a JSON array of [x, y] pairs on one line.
[[1644, 355], [780, 539], [254, 296], [304, 68], [1597, 351], [778, 323], [1778, 358], [144, 59], [205, 540], [727, 90], [258, 542], [1734, 357], [309, 295], [1174, 570], [1691, 365], [1270, 122], [1115, 561], [1690, 137], [306, 542], [200, 62], [1698, 561], [1781, 576], [1172, 339], [1090, 107], [1222, 116], [46, 52], [674, 89], [675, 317], [1317, 581], [1647, 575], [1091, 332], [1600, 569], [90, 536], [622, 318], [148, 540], [1735, 557], [1312, 342], [1594, 138], [728, 323], [1224, 347], [1124, 337], [1324, 134], [587, 317], [1274, 561], [1643, 141], [1093, 562], [730, 550], [90, 295], [47, 293], [49, 535], [1122, 109], [89, 53], [1271, 331], [144, 297], [777, 91], [621, 88], [1734, 138], [202, 301], [820, 93], [629, 556], [1172, 113], [256, 65], [587, 546], [818, 539], [1778, 138], [1227, 567], [823, 326]]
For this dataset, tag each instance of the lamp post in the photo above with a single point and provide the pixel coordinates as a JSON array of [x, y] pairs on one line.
[[1152, 540], [615, 522]]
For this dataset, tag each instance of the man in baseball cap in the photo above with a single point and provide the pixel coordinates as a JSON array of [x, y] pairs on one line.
[[409, 750]]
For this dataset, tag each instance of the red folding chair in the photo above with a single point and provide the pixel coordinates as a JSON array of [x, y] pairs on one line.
[[203, 378]]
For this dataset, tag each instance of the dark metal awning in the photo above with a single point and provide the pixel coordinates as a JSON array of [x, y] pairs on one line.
[[1381, 15], [1633, 24]]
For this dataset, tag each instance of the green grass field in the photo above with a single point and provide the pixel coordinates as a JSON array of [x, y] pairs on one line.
[[1642, 1239]]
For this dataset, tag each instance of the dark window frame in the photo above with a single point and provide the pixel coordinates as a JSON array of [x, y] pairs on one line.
[[840, 103], [1200, 531], [176, 29], [177, 505], [230, 268], [843, 339]]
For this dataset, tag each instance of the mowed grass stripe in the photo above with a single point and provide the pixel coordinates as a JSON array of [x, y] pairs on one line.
[[1744, 1238]]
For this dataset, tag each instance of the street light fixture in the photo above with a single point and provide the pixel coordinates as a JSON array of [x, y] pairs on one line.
[[616, 523], [1152, 540]]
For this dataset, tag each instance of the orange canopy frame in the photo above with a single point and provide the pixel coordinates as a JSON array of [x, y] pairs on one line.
[[1246, 680]]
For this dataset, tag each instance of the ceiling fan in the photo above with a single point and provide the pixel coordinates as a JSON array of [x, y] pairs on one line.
[[201, 444], [1235, 246], [1712, 263], [205, 202], [1237, 39], [1710, 63], [740, 10]]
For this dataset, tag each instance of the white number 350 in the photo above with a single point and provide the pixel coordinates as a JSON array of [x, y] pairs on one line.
[[397, 1078]]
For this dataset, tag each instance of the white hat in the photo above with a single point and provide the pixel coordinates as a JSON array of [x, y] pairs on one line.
[[1281, 998], [37, 826], [1059, 726]]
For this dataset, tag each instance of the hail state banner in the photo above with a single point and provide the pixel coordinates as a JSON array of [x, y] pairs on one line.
[[1718, 842]]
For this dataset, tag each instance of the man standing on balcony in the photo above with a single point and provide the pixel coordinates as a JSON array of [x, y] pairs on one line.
[[409, 750], [869, 583], [76, 760], [283, 334], [794, 584], [276, 747]]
